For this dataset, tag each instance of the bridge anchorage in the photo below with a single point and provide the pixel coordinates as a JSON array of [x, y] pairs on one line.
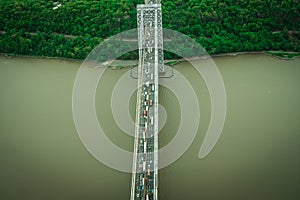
[[151, 65]]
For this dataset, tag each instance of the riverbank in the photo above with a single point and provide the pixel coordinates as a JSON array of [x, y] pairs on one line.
[[284, 55], [38, 57], [278, 54], [120, 64]]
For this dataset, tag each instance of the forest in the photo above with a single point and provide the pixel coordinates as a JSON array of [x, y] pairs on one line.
[[72, 28]]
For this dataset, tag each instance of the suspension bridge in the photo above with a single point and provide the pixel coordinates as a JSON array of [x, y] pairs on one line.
[[151, 63]]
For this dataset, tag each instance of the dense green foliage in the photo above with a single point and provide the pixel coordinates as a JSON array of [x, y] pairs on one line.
[[33, 27]]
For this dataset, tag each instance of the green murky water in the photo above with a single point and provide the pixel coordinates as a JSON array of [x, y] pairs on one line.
[[256, 157]]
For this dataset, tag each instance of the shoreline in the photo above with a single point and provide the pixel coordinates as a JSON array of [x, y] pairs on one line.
[[9, 56], [268, 53], [117, 63]]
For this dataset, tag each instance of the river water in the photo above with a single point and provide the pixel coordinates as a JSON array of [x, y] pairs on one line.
[[256, 156]]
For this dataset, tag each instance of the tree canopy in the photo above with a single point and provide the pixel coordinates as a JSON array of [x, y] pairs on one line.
[[72, 28]]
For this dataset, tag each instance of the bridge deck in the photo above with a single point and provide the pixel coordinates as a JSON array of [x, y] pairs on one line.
[[145, 162]]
